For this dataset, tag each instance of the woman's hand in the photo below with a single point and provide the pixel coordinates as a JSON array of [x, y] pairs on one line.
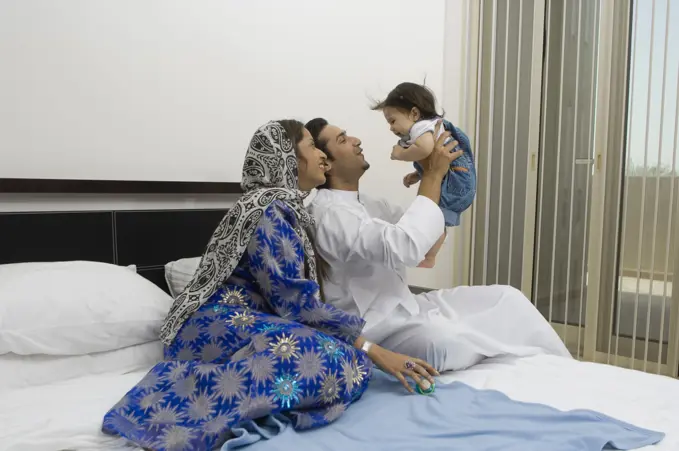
[[400, 366]]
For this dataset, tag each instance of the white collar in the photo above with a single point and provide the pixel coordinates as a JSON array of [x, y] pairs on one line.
[[351, 196]]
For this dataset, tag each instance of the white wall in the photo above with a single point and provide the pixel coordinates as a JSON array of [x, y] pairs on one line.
[[172, 90], [451, 258]]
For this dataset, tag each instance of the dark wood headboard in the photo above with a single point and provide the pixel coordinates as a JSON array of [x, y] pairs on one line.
[[9, 185], [146, 238]]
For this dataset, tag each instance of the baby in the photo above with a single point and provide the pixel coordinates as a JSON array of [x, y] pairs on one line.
[[410, 111]]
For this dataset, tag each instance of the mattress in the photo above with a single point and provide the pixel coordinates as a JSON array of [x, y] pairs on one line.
[[67, 415]]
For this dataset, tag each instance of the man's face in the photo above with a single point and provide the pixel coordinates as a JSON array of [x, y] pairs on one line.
[[346, 155]]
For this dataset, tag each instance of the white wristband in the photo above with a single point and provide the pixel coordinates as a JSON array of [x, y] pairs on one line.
[[366, 346]]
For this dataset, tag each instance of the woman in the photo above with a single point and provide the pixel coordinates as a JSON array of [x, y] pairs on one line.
[[250, 336]]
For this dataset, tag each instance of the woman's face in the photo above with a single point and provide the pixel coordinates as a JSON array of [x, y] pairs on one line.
[[311, 163]]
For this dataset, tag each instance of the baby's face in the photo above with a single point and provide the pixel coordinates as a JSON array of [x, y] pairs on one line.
[[399, 121]]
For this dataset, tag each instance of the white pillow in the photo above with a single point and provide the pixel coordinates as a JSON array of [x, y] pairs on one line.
[[75, 308], [178, 274], [19, 371]]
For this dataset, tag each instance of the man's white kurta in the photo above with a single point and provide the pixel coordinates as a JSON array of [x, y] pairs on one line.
[[368, 244], [369, 254]]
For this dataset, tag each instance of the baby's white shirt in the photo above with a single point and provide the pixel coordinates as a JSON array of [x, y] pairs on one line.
[[419, 128]]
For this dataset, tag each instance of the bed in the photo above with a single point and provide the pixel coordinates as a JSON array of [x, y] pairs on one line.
[[66, 414]]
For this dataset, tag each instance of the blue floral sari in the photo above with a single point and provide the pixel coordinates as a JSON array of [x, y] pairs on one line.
[[264, 343]]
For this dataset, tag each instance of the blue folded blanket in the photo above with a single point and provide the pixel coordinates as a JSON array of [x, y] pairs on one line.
[[456, 417]]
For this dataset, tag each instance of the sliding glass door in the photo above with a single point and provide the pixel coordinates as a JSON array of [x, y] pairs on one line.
[[576, 132]]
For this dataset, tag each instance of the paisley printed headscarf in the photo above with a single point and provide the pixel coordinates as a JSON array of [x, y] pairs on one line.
[[269, 174]]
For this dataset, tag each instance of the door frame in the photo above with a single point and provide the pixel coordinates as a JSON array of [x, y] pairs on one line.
[[606, 88], [534, 134]]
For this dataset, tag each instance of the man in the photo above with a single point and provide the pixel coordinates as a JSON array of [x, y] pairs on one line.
[[367, 245]]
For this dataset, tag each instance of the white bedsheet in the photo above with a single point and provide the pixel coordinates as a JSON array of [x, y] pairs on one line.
[[645, 400], [68, 414], [63, 415]]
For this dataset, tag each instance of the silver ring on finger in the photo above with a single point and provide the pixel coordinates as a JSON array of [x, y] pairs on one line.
[[410, 365]]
